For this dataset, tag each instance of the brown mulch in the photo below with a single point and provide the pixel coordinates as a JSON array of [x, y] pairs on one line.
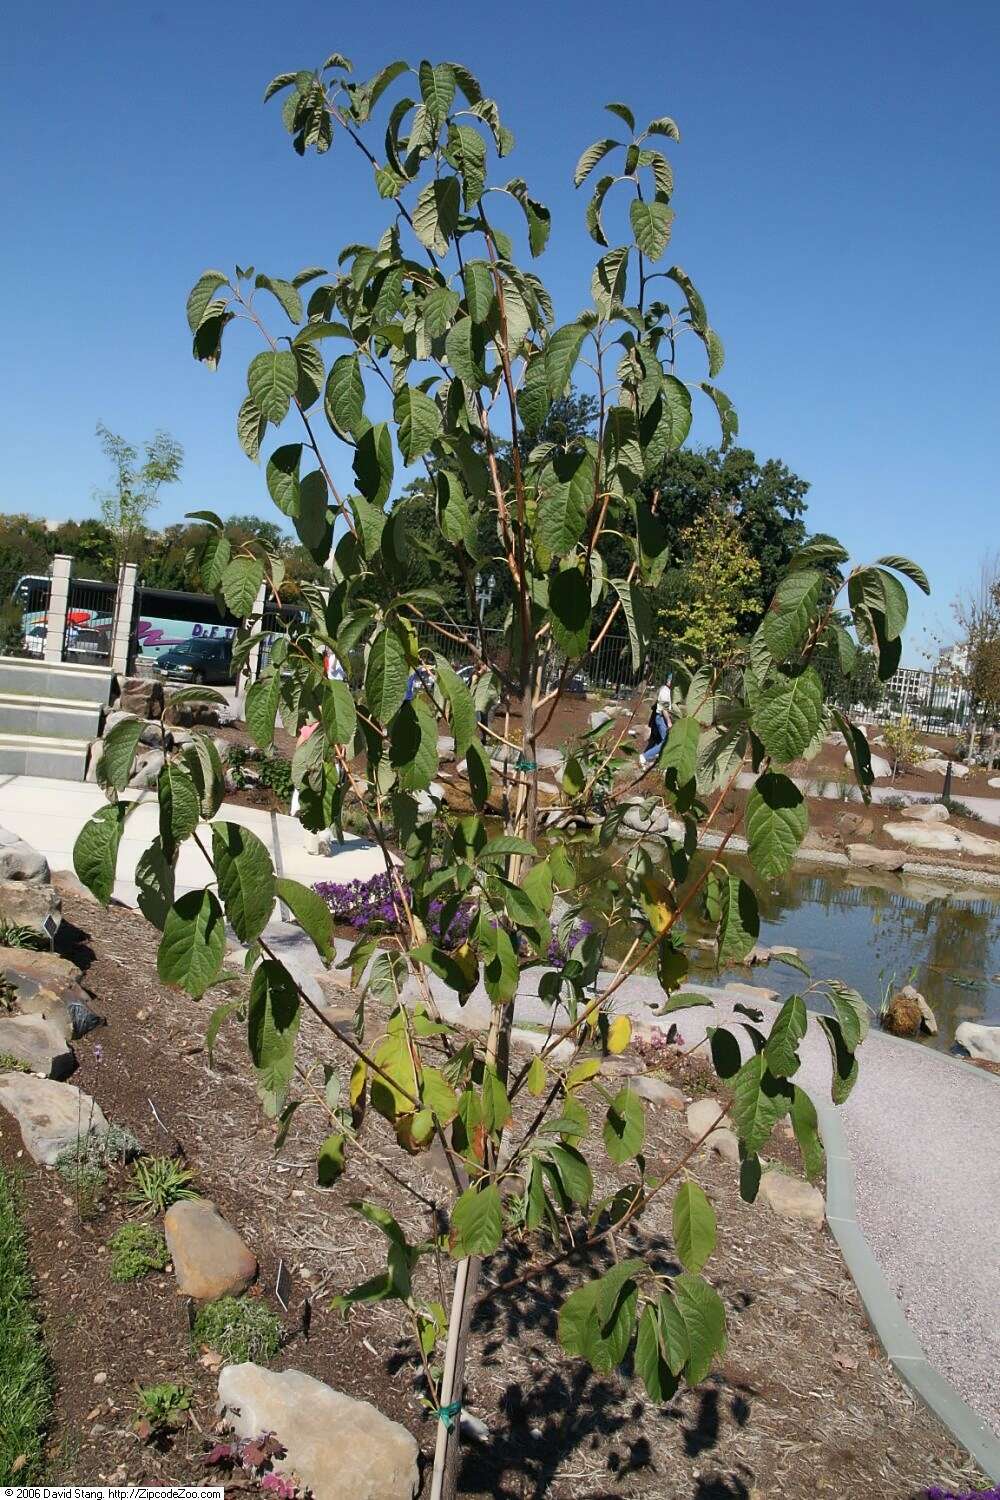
[[803, 1404]]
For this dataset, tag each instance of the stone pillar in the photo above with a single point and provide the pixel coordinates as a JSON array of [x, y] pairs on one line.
[[252, 668], [55, 615], [121, 635]]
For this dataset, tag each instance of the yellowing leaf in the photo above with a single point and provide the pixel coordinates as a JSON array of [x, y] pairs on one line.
[[582, 1073], [619, 1034], [657, 903], [537, 1077]]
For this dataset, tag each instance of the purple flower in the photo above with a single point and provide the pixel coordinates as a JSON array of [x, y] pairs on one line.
[[98, 1052], [938, 1494]]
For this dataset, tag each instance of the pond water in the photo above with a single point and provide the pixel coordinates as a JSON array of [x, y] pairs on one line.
[[869, 930]]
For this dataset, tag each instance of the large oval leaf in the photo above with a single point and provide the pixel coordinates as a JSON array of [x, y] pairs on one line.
[[776, 820], [95, 852], [193, 944], [386, 676], [789, 713], [272, 379], [246, 878], [694, 1226]]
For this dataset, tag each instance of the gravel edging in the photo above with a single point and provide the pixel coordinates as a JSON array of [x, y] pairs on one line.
[[887, 1318]]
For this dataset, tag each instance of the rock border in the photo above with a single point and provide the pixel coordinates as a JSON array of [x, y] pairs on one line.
[[903, 1348]]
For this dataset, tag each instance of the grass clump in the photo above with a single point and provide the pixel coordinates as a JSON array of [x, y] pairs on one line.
[[238, 1328], [136, 1249], [159, 1181], [11, 1064], [17, 935], [25, 1382]]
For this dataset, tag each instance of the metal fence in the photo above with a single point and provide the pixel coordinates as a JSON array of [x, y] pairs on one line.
[[90, 617], [26, 617]]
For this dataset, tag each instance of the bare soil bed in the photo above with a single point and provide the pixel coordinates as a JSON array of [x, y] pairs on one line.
[[803, 1404]]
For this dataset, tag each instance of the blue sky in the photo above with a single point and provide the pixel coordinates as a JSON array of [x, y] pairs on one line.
[[837, 203]]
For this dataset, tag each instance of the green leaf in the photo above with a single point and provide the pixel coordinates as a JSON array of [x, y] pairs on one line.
[[565, 501], [193, 944], [582, 1332], [344, 399], [179, 809], [538, 218], [154, 877], [818, 550], [561, 354], [716, 352], [461, 709], [261, 708], [251, 424], [202, 762], [452, 507], [861, 755], [792, 611], [201, 295], [728, 419], [282, 476], [651, 225], [595, 227], [781, 1052], [624, 113], [437, 88], [240, 583], [373, 464], [588, 161], [681, 749], [436, 213], [739, 920], [310, 911], [479, 293], [500, 972], [340, 717], [478, 767], [533, 397], [726, 1058], [476, 1222], [896, 605], [674, 1340], [419, 422], [789, 713], [439, 307], [216, 1020], [759, 1101], [273, 1024], [386, 676], [569, 611], [852, 1013], [693, 1226], [845, 1064], [95, 852], [650, 1366], [115, 765], [909, 570], [624, 1126], [663, 126], [197, 694], [638, 618], [272, 379], [465, 351], [704, 1317], [285, 294], [776, 820], [331, 1161], [806, 1127], [213, 561], [246, 878]]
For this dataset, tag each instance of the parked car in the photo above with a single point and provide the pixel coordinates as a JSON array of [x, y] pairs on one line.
[[198, 661], [86, 643]]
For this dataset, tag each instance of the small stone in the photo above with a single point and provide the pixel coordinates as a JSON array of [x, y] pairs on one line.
[[340, 1448], [657, 1091], [926, 812], [704, 1114], [52, 1116], [902, 1016], [101, 1377], [791, 1198], [210, 1259], [726, 1144], [982, 1042]]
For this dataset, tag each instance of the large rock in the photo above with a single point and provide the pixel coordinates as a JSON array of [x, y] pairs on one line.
[[791, 1198], [926, 812], [928, 1020], [881, 768], [867, 857], [340, 1448], [46, 985], [852, 825], [19, 861], [725, 1143], [702, 1115], [979, 1041], [936, 766], [141, 697], [24, 905], [52, 1116], [37, 1043], [902, 1016], [943, 839], [188, 714], [67, 883], [210, 1259], [994, 782], [600, 718]]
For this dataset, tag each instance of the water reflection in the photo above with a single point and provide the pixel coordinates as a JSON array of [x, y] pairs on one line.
[[868, 929]]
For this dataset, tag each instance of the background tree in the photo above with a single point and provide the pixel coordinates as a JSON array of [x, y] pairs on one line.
[[135, 487], [705, 602], [975, 665]]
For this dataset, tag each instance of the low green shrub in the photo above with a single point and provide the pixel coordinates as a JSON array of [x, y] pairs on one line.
[[959, 809], [238, 1328], [163, 1406], [136, 1249], [159, 1181], [11, 1064]]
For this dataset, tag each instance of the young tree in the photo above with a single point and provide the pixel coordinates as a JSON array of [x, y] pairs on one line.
[[135, 489], [445, 346], [716, 589], [976, 664]]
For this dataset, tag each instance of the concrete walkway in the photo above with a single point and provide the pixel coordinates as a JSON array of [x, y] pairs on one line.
[[50, 813], [988, 808], [923, 1130]]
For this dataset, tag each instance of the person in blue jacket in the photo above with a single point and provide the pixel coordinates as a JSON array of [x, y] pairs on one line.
[[659, 729]]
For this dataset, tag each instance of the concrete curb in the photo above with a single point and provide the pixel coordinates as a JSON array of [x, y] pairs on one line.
[[883, 1310]]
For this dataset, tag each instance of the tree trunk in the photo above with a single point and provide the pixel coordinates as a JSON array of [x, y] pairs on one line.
[[448, 1450]]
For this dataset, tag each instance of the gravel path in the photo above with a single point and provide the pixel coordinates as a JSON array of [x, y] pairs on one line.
[[924, 1134]]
